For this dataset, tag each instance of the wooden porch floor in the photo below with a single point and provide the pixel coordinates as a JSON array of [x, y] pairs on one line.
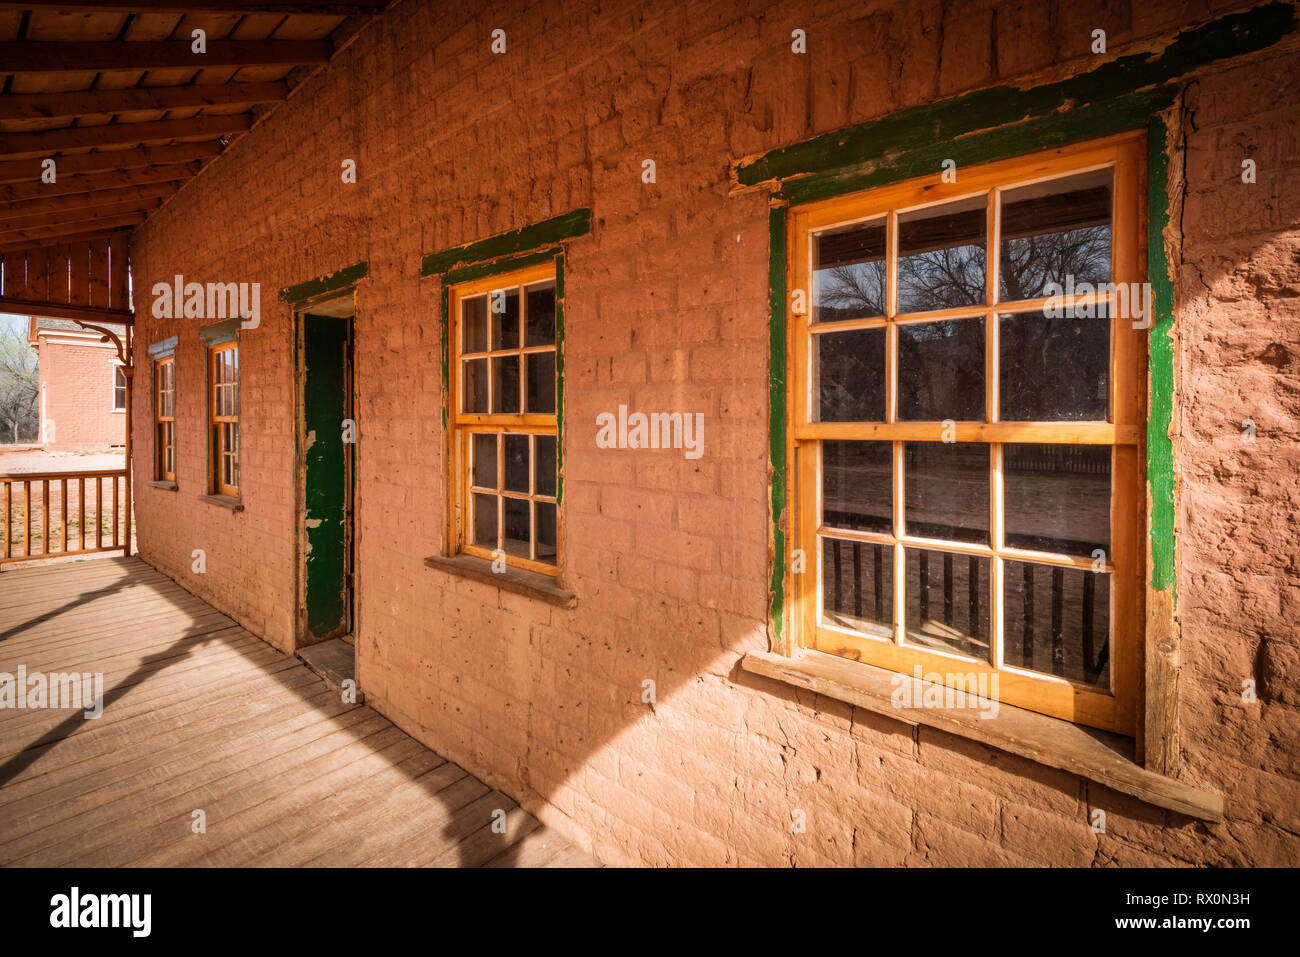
[[202, 715]]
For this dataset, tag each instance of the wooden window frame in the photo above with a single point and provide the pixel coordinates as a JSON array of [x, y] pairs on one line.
[[1056, 696], [218, 451], [462, 426], [164, 431]]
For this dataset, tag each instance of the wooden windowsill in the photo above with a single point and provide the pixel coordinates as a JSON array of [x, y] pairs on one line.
[[225, 501], [1095, 755], [517, 580], [163, 484]]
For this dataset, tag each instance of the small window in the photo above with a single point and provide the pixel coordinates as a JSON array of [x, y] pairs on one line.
[[119, 389], [223, 417], [967, 417], [504, 433], [164, 372]]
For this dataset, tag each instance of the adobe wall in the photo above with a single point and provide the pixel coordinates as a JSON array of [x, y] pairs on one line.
[[667, 309]]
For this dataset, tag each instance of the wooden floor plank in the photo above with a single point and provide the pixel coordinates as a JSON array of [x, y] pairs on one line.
[[201, 714]]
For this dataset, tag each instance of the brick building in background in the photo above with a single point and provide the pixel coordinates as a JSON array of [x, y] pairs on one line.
[[801, 222], [82, 398]]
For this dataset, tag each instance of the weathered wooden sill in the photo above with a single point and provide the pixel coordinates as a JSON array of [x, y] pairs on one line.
[[164, 485], [517, 580], [1095, 755], [225, 501]]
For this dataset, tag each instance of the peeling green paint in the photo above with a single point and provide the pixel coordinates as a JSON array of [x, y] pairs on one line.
[[546, 233], [340, 279], [1083, 123], [445, 315], [776, 423], [481, 270], [947, 121], [1160, 365]]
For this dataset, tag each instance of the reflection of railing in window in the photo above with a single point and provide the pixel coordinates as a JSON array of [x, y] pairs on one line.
[[1066, 635], [1082, 460]]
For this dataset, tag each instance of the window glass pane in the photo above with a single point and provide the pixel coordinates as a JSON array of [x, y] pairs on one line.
[[858, 586], [941, 256], [504, 306], [541, 381], [851, 376], [947, 602], [474, 324], [540, 313], [858, 485], [545, 531], [947, 490], [1054, 369], [1055, 232], [941, 370], [505, 384], [1057, 621], [516, 519], [849, 273], [545, 465], [485, 460], [485, 520], [1057, 497], [517, 463], [474, 389]]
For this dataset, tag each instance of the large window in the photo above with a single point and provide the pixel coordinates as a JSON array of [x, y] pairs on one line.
[[966, 418], [504, 433], [223, 416], [164, 413]]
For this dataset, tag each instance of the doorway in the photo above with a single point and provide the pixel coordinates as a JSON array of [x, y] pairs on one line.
[[326, 444]]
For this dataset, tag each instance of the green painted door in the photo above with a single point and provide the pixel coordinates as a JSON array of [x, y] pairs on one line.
[[326, 499]]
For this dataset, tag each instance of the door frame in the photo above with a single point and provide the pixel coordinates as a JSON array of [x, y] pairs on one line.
[[300, 309]]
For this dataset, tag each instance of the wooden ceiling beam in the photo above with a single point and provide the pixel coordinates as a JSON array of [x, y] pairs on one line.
[[343, 8], [25, 56], [58, 240], [66, 232], [94, 182], [29, 170], [46, 142], [21, 222], [44, 106], [63, 310], [13, 213]]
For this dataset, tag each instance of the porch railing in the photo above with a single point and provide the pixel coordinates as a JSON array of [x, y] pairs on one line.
[[50, 514]]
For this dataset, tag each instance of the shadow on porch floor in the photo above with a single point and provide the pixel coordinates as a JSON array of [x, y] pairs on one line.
[[201, 715]]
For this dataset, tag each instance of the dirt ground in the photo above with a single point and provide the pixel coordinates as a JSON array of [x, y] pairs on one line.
[[23, 459]]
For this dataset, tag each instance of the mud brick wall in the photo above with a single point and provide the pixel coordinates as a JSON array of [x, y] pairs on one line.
[[667, 309]]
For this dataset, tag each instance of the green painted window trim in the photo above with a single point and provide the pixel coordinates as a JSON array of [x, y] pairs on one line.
[[163, 348], [549, 232], [340, 279], [225, 331]]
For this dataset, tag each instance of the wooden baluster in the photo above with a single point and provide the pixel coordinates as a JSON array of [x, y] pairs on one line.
[[857, 579], [947, 588], [99, 512], [1091, 666], [880, 582], [835, 557], [63, 514], [8, 521], [1058, 646], [1027, 640], [27, 519], [45, 516], [923, 589], [114, 481], [81, 510]]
